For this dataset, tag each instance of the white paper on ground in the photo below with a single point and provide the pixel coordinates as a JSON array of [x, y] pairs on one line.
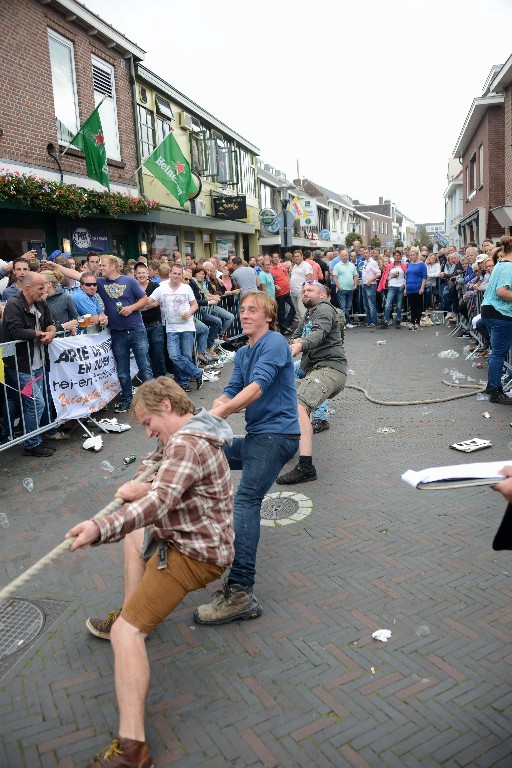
[[382, 634], [93, 443], [480, 469]]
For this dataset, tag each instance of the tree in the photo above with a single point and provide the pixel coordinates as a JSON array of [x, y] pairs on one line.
[[351, 237], [399, 244], [422, 237], [375, 242]]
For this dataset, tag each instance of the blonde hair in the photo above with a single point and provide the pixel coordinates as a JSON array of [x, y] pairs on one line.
[[149, 397], [266, 303], [112, 260], [51, 276]]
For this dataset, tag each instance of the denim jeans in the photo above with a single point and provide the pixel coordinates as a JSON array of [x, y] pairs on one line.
[[285, 311], [201, 337], [214, 325], [370, 303], [156, 342], [226, 317], [394, 294], [124, 342], [261, 458], [500, 332], [180, 346], [344, 299], [33, 407]]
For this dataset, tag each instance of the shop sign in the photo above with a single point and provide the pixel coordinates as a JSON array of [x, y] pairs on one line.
[[233, 207], [272, 228], [89, 237], [267, 216], [310, 218], [324, 234]]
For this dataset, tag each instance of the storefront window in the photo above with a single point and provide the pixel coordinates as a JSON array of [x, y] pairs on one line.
[[16, 242], [165, 244]]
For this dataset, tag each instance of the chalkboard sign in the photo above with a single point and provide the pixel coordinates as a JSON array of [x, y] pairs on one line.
[[234, 207]]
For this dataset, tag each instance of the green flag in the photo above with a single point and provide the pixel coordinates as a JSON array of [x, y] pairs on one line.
[[170, 166], [91, 141]]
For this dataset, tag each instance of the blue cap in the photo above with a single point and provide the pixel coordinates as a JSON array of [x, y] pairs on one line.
[[54, 255]]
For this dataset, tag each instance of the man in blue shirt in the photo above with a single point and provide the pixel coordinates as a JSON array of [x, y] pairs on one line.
[[263, 382], [86, 299]]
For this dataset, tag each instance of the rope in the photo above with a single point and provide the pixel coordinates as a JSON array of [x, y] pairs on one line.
[[65, 545], [475, 389]]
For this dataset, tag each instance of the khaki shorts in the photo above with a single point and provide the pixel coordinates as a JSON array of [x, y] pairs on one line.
[[160, 591], [318, 385]]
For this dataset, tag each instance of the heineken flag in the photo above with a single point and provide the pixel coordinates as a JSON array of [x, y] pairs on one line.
[[170, 166], [91, 141]]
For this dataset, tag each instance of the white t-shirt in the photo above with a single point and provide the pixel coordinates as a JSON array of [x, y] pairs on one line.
[[396, 276], [172, 304], [300, 273]]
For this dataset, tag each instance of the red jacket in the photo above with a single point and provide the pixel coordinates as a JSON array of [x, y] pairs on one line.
[[384, 278]]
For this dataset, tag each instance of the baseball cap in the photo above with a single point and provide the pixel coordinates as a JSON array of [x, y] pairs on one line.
[[54, 255]]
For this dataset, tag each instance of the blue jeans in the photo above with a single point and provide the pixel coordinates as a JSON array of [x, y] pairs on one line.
[[261, 458], [124, 342], [214, 325], [201, 337], [394, 294], [181, 347], [226, 317], [370, 303], [344, 299], [33, 407], [156, 342], [285, 311], [500, 332]]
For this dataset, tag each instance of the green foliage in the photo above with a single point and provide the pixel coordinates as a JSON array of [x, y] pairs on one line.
[[349, 239], [398, 244], [422, 237], [67, 199], [375, 242]]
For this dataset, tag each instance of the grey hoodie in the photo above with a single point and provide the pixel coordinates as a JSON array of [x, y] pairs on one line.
[[320, 334], [204, 424]]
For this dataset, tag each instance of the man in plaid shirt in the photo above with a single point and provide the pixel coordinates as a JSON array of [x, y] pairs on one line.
[[179, 537]]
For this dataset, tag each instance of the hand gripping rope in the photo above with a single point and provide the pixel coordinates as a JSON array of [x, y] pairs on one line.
[[65, 545]]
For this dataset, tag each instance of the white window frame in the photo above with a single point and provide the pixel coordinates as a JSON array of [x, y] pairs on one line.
[[112, 142], [68, 44], [481, 165]]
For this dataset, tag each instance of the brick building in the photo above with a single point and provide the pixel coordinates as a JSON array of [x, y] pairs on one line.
[[58, 60], [502, 85], [481, 151]]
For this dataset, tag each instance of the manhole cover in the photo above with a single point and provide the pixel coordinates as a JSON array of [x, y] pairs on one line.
[[284, 507], [275, 509], [20, 623]]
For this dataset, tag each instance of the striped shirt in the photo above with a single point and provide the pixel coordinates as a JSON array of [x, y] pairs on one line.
[[189, 504]]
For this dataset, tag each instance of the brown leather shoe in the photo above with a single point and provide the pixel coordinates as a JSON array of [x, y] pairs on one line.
[[124, 753]]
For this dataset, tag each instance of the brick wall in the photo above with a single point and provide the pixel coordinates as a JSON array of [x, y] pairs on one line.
[[508, 144], [27, 114]]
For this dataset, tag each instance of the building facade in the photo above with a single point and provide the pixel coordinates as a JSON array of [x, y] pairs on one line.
[[453, 202]]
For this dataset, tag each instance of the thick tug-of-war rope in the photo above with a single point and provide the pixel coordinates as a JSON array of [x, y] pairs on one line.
[[65, 545], [475, 389]]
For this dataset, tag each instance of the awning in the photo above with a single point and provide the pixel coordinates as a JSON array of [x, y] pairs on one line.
[[503, 215], [191, 221]]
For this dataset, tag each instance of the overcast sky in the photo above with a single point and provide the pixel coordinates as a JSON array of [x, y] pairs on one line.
[[369, 97]]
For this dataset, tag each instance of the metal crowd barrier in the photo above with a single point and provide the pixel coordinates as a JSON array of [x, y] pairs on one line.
[[18, 400]]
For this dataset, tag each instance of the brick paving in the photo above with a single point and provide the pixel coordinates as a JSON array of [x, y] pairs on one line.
[[304, 685]]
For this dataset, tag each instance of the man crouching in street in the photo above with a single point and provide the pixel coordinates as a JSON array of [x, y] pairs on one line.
[[179, 537], [318, 340]]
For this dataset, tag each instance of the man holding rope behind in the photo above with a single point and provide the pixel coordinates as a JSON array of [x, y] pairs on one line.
[[179, 537]]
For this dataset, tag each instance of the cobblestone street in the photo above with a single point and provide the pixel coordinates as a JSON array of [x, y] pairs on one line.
[[305, 685]]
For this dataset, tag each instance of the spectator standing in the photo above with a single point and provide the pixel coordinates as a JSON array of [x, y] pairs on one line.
[[394, 277], [152, 318], [86, 299], [415, 279], [244, 277], [20, 269], [301, 272], [370, 276], [267, 284], [285, 307], [497, 314], [345, 279]]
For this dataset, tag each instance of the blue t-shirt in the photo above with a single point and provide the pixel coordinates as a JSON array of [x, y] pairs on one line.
[[414, 275], [126, 290], [86, 305], [269, 363], [332, 264], [501, 276]]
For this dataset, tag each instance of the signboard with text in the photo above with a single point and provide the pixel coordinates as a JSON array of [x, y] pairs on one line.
[[233, 207], [89, 237]]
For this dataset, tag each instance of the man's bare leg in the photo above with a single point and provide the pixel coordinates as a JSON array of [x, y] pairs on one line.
[[134, 566], [306, 432], [131, 672]]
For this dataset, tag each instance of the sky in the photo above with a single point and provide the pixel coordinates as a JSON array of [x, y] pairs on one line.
[[368, 97]]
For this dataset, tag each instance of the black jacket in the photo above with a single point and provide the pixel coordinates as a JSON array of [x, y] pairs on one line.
[[19, 324]]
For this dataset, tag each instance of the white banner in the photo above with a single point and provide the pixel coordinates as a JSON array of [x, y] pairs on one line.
[[83, 374]]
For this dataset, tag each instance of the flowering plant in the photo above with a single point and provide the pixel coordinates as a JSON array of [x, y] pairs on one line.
[[67, 199]]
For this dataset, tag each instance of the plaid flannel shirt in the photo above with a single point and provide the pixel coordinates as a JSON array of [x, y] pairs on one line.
[[189, 504]]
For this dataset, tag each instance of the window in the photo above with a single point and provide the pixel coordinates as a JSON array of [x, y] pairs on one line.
[[163, 129], [247, 174], [197, 148], [146, 131], [468, 190], [266, 196], [472, 174], [103, 83], [481, 165], [163, 107], [64, 86], [225, 169]]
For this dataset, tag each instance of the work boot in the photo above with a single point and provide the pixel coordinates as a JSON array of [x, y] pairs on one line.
[[124, 753], [101, 627], [498, 396], [384, 325], [397, 324], [299, 474], [231, 603], [320, 425]]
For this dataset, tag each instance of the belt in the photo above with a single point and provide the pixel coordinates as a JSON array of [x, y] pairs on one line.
[[292, 437]]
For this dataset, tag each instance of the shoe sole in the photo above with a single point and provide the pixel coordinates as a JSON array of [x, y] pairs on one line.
[[297, 482], [252, 613], [96, 632]]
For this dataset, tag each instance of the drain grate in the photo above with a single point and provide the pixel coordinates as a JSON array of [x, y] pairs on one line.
[[21, 623], [276, 509]]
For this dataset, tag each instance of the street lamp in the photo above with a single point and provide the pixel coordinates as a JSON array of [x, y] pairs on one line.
[[286, 231]]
